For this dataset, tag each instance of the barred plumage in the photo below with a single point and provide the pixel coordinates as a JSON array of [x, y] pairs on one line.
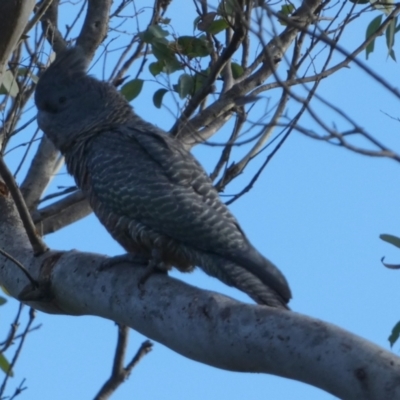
[[145, 188]]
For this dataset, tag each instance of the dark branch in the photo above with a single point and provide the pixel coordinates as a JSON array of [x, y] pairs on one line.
[[119, 372]]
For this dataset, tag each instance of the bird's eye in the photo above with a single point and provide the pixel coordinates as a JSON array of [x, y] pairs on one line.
[[62, 100]]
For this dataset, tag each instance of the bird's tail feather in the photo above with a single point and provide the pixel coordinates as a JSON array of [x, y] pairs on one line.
[[243, 279]]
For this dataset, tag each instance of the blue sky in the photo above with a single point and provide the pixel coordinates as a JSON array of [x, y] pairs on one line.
[[316, 211]]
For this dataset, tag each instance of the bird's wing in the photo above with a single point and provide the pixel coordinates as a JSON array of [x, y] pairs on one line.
[[145, 175]]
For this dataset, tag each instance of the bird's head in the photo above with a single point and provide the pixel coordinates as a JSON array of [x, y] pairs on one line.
[[72, 104]]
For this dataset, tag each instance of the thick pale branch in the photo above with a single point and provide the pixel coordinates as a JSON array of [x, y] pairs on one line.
[[95, 27], [14, 16], [201, 325], [40, 173], [208, 131]]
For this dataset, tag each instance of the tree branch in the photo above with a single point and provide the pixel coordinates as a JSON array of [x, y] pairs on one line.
[[95, 27], [14, 16], [119, 371], [61, 213], [38, 245], [40, 173], [216, 69], [270, 56], [202, 325], [50, 27]]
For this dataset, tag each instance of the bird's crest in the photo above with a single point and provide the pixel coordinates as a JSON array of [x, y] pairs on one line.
[[70, 64]]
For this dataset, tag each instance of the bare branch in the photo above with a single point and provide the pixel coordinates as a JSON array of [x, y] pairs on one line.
[[117, 76], [95, 27], [38, 245], [50, 27], [40, 173], [32, 315], [203, 134], [14, 16], [39, 12], [119, 372], [62, 213], [237, 38], [18, 390], [19, 265], [13, 330]]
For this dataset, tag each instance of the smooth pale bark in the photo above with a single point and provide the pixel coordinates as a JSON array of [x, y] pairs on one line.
[[201, 325], [14, 15]]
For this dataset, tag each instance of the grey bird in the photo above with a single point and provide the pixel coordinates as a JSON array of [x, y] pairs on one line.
[[150, 193]]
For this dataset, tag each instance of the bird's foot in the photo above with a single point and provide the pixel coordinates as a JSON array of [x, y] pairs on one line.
[[124, 258], [154, 265]]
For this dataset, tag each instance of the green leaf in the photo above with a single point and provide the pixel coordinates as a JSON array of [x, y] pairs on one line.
[[390, 32], [5, 290], [185, 85], [158, 97], [394, 335], [196, 22], [153, 33], [199, 79], [3, 300], [164, 21], [9, 85], [217, 26], [162, 51], [394, 240], [132, 89], [166, 57], [237, 70], [194, 47], [287, 9], [203, 22], [5, 365], [371, 29], [172, 66], [227, 7], [156, 68]]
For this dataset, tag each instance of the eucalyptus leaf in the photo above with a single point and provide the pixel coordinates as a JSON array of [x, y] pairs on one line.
[[158, 97], [132, 89]]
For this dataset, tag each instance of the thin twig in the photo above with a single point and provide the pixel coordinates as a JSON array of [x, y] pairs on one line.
[[38, 246], [119, 372], [13, 330], [32, 315], [40, 11], [21, 267], [19, 390]]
